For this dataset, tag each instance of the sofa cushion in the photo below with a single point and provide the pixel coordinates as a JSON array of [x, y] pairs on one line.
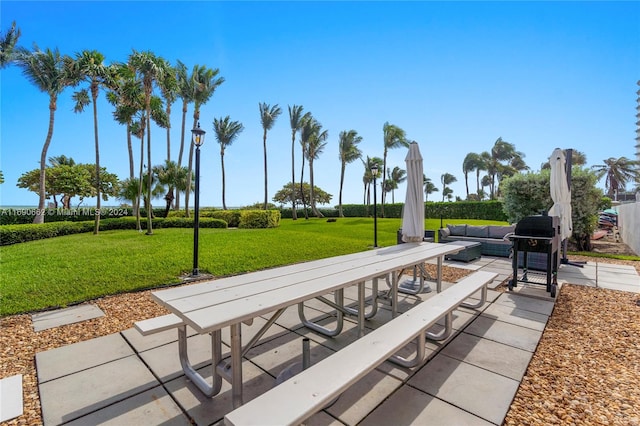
[[477, 231], [498, 231], [457, 230], [443, 233]]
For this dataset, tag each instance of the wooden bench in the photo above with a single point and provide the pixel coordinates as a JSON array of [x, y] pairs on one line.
[[298, 398]]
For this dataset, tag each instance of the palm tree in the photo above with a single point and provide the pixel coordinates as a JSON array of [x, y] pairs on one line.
[[89, 67], [226, 132], [429, 187], [367, 177], [501, 152], [50, 72], [205, 82], [349, 152], [618, 172], [447, 179], [394, 137], [305, 134], [127, 97], [150, 69], [171, 176], [315, 145], [8, 43], [295, 120], [472, 162], [128, 190], [186, 92], [398, 176], [268, 116], [169, 89]]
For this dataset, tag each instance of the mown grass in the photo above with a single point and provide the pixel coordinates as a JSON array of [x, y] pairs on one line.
[[62, 271]]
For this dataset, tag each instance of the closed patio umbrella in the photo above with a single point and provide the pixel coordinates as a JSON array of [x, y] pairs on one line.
[[560, 186], [413, 215], [560, 193], [413, 211]]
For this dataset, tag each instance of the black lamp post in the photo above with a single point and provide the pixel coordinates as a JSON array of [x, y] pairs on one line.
[[198, 140], [374, 172]]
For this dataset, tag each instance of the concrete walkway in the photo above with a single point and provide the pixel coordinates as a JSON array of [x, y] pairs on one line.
[[471, 378]]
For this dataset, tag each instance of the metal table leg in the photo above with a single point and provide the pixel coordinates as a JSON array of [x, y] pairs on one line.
[[190, 372], [236, 364]]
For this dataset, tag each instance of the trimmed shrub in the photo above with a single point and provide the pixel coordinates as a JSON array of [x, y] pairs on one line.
[[15, 216], [252, 219], [481, 210], [14, 234], [232, 217]]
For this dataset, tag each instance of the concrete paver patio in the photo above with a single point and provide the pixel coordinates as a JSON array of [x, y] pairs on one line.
[[470, 378]]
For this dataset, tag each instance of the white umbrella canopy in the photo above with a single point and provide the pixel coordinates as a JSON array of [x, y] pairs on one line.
[[413, 211], [560, 193]]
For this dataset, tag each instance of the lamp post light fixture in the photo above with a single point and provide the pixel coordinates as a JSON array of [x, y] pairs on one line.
[[198, 140], [374, 173]]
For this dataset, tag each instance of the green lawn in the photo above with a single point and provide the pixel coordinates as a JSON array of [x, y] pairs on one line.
[[65, 270]]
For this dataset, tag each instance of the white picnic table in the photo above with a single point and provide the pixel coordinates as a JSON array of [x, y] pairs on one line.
[[210, 306]]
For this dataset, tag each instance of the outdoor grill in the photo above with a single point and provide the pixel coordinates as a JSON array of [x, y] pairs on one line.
[[536, 234]]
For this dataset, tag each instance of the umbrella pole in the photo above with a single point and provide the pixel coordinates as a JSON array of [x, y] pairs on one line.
[[568, 166]]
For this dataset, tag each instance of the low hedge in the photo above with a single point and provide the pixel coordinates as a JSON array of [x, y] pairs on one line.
[[481, 210], [25, 215], [14, 234]]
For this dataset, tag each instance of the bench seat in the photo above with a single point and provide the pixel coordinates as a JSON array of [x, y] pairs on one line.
[[158, 324], [300, 397]]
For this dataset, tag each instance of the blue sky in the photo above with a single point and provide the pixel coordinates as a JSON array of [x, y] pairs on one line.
[[454, 75]]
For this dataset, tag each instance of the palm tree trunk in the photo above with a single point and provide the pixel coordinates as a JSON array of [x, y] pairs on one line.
[[224, 204], [466, 183], [304, 203], [340, 194], [264, 144], [130, 150], [190, 171], [140, 177], [168, 110], [94, 93], [294, 214], [384, 182], [314, 209], [149, 172], [184, 120], [39, 218]]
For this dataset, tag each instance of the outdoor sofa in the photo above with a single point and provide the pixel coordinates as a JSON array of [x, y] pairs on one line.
[[491, 237]]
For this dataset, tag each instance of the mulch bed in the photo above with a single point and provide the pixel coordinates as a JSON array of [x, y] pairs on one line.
[[586, 369]]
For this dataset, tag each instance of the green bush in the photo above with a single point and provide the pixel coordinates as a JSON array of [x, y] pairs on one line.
[[480, 210], [16, 216], [526, 194], [530, 194], [259, 219], [232, 217], [13, 234]]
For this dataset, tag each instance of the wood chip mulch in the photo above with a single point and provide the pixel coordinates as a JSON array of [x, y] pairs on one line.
[[586, 369]]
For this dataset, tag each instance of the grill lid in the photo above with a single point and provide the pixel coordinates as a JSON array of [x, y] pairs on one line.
[[539, 226]]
